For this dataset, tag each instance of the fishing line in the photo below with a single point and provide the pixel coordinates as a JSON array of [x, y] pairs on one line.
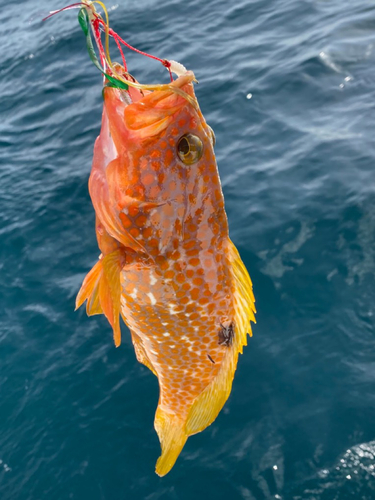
[[88, 16]]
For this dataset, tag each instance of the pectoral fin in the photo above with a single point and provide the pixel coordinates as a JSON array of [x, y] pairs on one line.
[[102, 290]]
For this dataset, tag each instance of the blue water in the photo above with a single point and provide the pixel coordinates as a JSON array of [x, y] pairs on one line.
[[289, 88]]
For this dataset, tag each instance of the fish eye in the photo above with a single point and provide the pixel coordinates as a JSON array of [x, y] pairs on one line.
[[213, 138], [190, 149]]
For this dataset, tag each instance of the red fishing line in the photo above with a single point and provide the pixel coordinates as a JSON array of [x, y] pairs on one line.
[[64, 8], [96, 23], [121, 52], [117, 37]]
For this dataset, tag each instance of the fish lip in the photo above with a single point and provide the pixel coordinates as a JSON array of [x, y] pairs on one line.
[[184, 79], [141, 117], [181, 81]]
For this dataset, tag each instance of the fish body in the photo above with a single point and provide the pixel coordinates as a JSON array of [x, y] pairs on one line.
[[167, 265]]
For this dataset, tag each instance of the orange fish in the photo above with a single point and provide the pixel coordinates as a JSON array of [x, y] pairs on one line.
[[167, 265]]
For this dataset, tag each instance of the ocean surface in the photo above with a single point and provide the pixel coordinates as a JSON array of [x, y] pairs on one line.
[[289, 88]]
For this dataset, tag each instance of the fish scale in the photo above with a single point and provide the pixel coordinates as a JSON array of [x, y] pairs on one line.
[[183, 330]]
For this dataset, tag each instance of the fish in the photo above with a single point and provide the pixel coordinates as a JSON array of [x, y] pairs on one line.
[[167, 266]]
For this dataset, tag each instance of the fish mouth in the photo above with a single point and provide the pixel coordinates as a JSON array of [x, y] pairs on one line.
[[147, 110], [136, 91]]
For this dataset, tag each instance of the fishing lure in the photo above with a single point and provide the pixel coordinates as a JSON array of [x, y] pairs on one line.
[[167, 265]]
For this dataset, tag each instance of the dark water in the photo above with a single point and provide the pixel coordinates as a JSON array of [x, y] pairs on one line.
[[289, 88]]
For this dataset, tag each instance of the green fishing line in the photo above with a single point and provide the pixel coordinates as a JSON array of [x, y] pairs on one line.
[[84, 22]]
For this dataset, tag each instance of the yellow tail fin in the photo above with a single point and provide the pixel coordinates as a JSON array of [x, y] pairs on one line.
[[102, 290], [172, 436]]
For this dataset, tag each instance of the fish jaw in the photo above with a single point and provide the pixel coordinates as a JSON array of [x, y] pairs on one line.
[[108, 221]]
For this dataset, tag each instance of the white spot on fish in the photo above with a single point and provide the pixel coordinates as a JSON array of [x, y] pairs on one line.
[[166, 334], [152, 298], [172, 346], [133, 295], [165, 324], [153, 280], [171, 306], [153, 352]]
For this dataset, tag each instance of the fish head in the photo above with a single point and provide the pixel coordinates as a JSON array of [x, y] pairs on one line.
[[141, 121], [153, 152]]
